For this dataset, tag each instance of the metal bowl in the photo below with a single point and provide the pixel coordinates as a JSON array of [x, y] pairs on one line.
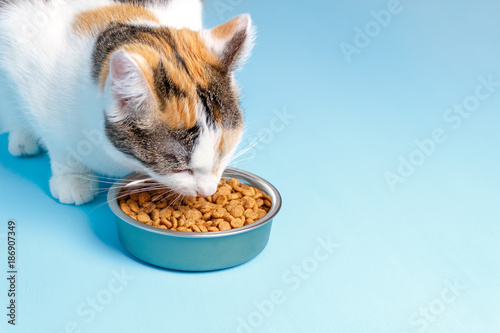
[[189, 251]]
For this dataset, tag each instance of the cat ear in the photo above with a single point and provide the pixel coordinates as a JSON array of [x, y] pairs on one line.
[[232, 41], [128, 83]]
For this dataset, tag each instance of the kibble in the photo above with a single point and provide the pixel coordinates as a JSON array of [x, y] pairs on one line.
[[234, 205], [143, 217], [224, 226], [237, 223]]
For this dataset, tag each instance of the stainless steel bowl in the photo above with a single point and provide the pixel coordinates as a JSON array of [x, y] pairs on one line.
[[189, 251]]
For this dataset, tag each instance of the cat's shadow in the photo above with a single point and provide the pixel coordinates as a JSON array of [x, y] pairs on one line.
[[36, 169]]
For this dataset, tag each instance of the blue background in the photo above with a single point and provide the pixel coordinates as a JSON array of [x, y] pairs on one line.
[[422, 256]]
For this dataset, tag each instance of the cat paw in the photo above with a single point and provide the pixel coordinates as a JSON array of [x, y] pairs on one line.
[[22, 144], [73, 188]]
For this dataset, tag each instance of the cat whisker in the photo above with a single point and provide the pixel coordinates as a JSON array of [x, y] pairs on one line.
[[139, 181], [234, 163], [99, 179], [139, 190], [246, 149]]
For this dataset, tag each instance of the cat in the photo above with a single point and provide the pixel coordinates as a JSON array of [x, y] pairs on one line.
[[112, 87]]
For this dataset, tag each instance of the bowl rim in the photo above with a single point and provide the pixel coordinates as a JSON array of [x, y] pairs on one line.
[[246, 176]]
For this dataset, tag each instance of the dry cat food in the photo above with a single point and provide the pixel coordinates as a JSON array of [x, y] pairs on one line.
[[234, 205]]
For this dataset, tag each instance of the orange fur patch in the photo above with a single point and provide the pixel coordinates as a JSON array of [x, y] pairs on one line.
[[92, 21], [192, 51], [179, 112], [228, 140], [226, 30], [221, 147], [195, 56], [182, 54]]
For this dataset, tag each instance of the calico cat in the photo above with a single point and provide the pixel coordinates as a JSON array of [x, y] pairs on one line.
[[109, 87]]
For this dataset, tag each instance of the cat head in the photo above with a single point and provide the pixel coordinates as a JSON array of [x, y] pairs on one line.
[[173, 105]]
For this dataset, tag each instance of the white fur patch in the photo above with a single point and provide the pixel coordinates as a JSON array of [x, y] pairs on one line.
[[73, 188], [204, 159]]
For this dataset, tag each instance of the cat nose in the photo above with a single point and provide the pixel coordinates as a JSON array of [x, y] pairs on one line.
[[205, 192], [206, 188]]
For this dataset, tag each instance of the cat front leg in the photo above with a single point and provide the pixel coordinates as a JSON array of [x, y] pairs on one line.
[[71, 182], [13, 120], [22, 143]]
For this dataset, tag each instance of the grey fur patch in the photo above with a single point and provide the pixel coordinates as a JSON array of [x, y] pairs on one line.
[[221, 100], [160, 149], [233, 50]]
